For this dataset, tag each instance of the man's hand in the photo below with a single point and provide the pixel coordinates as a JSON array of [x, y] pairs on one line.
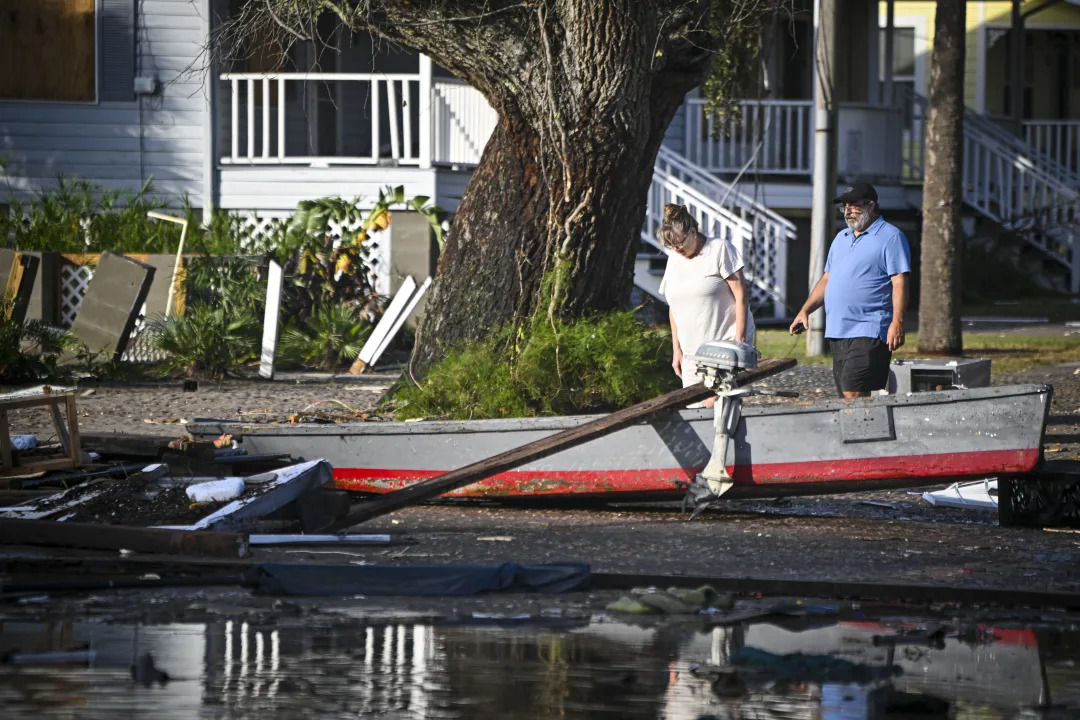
[[896, 335], [676, 361], [800, 324]]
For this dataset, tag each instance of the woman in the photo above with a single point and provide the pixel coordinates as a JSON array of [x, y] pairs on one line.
[[704, 288]]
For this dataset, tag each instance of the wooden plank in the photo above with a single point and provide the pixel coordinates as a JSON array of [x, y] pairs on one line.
[[55, 464], [433, 487], [270, 321], [61, 430], [113, 537], [126, 445], [399, 321], [73, 431], [396, 307], [17, 403]]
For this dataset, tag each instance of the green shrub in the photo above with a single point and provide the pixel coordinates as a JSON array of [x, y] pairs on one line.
[[207, 341], [80, 217], [595, 364], [29, 353], [330, 338]]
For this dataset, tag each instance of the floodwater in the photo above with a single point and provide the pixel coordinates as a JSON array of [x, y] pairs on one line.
[[818, 666]]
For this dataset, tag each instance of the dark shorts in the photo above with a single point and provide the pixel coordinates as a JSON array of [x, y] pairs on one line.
[[860, 364]]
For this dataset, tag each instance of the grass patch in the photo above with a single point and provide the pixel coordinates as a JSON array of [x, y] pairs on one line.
[[1008, 352]]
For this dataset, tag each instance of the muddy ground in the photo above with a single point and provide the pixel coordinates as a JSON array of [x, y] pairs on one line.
[[882, 537]]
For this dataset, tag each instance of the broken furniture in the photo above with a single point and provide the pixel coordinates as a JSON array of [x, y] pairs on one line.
[[67, 430]]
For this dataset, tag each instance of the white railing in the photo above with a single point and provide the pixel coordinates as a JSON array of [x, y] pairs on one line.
[[1017, 192], [270, 119], [770, 231], [765, 266], [775, 137], [1058, 140], [768, 136], [263, 108], [462, 122]]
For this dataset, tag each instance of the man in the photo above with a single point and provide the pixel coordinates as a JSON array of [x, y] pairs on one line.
[[864, 290]]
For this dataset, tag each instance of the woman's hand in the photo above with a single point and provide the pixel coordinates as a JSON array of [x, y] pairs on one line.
[[676, 361]]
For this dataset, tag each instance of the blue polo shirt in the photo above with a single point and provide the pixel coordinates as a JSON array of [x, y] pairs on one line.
[[858, 296]]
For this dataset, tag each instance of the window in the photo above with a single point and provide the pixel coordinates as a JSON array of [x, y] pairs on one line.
[[48, 50], [903, 71]]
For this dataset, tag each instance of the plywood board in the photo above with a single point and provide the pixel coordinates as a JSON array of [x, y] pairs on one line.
[[270, 321], [51, 42], [112, 303]]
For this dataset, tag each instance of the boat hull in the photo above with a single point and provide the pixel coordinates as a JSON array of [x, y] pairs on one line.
[[824, 447]]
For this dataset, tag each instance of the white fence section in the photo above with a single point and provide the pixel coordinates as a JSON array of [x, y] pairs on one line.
[[263, 106], [768, 136], [1058, 140], [462, 122], [775, 137], [402, 119]]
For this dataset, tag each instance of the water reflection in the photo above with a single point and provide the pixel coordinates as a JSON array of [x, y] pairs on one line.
[[840, 669]]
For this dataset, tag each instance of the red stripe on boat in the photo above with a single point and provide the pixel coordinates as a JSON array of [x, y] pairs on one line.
[[572, 482]]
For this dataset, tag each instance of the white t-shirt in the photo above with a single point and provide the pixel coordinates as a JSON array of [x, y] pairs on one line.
[[701, 301]]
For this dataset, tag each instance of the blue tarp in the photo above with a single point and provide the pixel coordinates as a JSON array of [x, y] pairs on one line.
[[431, 580]]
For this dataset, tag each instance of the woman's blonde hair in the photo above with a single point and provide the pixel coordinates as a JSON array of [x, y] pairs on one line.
[[678, 224]]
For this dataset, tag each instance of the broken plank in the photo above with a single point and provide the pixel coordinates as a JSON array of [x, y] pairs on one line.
[[125, 445], [93, 536], [429, 489], [396, 307]]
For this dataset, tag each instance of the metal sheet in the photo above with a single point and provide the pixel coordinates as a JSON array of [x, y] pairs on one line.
[[866, 424]]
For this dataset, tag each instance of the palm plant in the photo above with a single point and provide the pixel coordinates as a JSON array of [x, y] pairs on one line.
[[331, 337], [207, 341]]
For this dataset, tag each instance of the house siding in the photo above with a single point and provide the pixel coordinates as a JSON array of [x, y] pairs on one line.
[[270, 188], [996, 13], [121, 145]]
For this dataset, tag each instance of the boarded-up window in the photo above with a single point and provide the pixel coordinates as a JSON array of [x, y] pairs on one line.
[[47, 49]]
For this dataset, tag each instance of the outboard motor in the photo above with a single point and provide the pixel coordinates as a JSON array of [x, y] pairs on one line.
[[717, 363]]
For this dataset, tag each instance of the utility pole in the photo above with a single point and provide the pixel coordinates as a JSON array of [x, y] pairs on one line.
[[823, 214]]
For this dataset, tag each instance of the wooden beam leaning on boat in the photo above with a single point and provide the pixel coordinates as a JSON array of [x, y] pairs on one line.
[[433, 487]]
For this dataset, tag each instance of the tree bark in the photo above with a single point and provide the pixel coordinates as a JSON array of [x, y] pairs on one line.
[[585, 91], [942, 233]]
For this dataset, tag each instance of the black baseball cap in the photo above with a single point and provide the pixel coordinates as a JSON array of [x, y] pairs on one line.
[[857, 193]]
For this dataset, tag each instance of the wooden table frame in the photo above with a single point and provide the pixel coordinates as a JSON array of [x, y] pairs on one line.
[[67, 432]]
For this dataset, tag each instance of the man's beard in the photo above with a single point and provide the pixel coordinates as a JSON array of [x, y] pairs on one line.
[[859, 222]]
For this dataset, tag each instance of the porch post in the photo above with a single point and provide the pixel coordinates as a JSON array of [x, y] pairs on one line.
[[873, 83], [1016, 62], [427, 106], [210, 149], [824, 175], [890, 30]]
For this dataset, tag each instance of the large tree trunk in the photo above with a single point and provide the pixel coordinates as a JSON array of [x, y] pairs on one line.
[[584, 92], [942, 234], [529, 212]]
